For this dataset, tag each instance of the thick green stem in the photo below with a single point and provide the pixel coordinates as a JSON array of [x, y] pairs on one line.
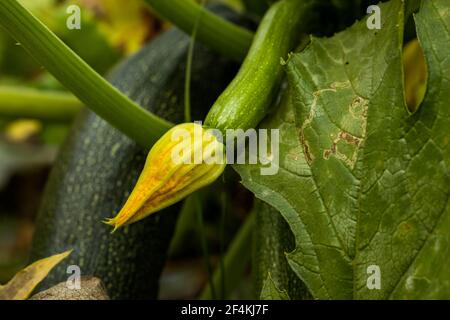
[[93, 90], [186, 223], [247, 99], [217, 33], [43, 105], [205, 249], [235, 261]]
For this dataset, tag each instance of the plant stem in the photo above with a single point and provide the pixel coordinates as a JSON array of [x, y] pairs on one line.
[[94, 91], [204, 244], [217, 33], [248, 98], [235, 261], [43, 105], [222, 243], [187, 84], [186, 223]]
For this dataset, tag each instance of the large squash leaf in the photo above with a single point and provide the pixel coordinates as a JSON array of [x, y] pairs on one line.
[[361, 181]]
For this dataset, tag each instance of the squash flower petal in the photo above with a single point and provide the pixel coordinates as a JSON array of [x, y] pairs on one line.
[[185, 159]]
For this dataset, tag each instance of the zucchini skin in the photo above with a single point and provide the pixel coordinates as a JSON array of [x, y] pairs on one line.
[[246, 100], [98, 167], [272, 239]]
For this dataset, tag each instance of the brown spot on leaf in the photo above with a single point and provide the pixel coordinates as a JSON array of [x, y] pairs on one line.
[[306, 150], [350, 139]]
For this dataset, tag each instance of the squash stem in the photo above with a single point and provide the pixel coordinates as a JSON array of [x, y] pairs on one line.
[[217, 33], [222, 243], [186, 224], [77, 76], [187, 84], [248, 98], [235, 261], [204, 244], [22, 102]]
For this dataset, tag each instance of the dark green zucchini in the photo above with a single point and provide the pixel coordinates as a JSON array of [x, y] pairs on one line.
[[98, 167], [272, 240]]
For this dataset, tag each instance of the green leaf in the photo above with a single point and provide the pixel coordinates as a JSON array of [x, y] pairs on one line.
[[270, 291], [362, 181]]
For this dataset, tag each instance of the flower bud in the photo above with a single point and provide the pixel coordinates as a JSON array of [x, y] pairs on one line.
[[185, 159]]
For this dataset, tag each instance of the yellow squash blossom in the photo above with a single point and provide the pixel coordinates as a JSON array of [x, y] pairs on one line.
[[187, 158]]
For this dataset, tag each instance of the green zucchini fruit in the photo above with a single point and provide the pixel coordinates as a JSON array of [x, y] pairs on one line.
[[246, 100], [272, 239], [98, 166]]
